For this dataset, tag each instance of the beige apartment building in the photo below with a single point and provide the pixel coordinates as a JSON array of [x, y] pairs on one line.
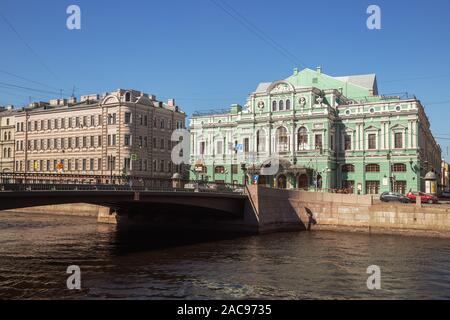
[[125, 132], [7, 118]]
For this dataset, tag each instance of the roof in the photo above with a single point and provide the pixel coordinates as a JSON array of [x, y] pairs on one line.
[[367, 81], [353, 85]]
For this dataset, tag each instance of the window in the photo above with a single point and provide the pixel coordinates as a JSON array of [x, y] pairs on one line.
[[127, 117], [162, 144], [372, 187], [348, 168], [219, 148], [246, 145], [302, 139], [347, 142], [318, 142], [400, 187], [399, 167], [281, 105], [261, 141], [274, 106], [202, 147], [282, 139], [288, 104], [219, 170], [372, 168], [127, 141], [372, 143], [398, 140]]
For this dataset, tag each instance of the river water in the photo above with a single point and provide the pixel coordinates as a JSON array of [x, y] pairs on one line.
[[35, 251]]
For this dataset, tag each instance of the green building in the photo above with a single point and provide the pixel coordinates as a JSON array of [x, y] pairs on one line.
[[320, 132]]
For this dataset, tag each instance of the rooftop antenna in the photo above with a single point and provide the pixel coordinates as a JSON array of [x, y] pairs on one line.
[[73, 92]]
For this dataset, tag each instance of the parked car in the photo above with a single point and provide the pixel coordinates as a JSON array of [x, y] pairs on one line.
[[446, 194], [394, 197], [426, 198]]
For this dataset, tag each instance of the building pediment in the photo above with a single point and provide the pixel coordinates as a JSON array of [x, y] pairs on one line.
[[398, 127], [372, 128], [280, 87], [111, 99]]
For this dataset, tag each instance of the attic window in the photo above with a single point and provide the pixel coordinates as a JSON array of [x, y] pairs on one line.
[[315, 80], [128, 97]]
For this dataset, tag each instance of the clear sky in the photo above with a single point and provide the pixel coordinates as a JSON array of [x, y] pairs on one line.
[[206, 58]]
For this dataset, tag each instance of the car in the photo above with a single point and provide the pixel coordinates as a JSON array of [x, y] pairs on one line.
[[393, 196], [446, 194], [426, 198]]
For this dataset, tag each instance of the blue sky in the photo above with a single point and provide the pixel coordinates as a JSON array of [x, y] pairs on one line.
[[195, 52]]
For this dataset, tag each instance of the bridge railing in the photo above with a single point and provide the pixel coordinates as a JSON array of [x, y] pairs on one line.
[[54, 182]]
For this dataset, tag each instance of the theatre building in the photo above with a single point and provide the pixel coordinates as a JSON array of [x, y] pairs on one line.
[[328, 133]]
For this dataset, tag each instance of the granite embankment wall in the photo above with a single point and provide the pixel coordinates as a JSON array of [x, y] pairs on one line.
[[325, 211], [73, 209]]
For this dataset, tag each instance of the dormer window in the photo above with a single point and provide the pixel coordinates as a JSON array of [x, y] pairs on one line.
[[128, 97]]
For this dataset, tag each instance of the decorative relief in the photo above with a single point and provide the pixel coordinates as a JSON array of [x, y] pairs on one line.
[[319, 103], [261, 105], [281, 88], [302, 102]]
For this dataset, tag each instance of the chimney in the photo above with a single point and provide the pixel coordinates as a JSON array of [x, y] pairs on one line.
[[171, 103], [319, 70], [295, 71]]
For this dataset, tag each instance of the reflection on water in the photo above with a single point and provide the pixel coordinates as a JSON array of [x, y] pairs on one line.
[[35, 252]]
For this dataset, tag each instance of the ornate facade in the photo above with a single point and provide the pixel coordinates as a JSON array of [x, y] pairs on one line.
[[325, 132]]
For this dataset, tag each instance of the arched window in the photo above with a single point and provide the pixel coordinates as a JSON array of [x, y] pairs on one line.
[[5, 152], [274, 106], [9, 136], [282, 139], [6, 136], [128, 97], [302, 137], [281, 105], [372, 168], [261, 141], [288, 104], [348, 168], [399, 167], [9, 152]]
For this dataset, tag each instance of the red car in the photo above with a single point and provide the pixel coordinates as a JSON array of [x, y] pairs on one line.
[[426, 198]]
